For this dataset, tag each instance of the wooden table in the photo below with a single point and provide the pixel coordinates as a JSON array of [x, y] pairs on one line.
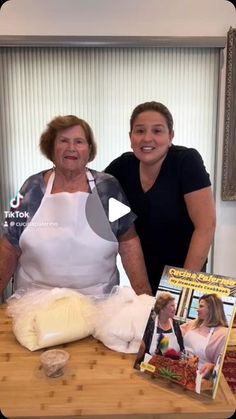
[[98, 383]]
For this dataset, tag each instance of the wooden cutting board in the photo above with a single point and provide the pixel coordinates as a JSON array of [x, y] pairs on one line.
[[97, 383]]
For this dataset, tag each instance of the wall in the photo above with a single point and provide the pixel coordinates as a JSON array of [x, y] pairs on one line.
[[112, 17], [169, 18]]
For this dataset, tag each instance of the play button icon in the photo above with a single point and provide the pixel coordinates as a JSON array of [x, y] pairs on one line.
[[116, 209], [104, 207]]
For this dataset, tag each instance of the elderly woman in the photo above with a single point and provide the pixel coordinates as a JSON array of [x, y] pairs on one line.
[[170, 191], [64, 238], [206, 336], [162, 332]]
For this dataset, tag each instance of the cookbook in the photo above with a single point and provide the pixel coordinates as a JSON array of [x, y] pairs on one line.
[[187, 332]]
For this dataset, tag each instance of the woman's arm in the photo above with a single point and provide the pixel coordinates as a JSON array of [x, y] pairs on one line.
[[201, 209], [217, 344], [133, 261], [185, 327], [214, 349], [207, 369], [9, 256]]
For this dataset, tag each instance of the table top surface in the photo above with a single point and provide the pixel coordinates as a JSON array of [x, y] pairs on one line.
[[97, 382]]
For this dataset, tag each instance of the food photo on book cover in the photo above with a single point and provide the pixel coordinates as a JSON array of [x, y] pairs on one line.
[[187, 331]]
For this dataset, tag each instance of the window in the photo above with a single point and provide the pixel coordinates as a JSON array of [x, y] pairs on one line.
[[228, 303], [101, 85]]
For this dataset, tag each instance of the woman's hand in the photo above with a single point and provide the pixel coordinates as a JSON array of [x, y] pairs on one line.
[[207, 369]]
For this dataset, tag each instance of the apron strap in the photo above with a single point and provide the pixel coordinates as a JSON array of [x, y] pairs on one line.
[[52, 177], [50, 183], [91, 180]]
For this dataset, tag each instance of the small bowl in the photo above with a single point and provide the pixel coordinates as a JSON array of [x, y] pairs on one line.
[[54, 361]]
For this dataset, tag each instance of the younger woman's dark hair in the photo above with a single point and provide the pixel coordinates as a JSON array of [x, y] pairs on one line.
[[152, 106]]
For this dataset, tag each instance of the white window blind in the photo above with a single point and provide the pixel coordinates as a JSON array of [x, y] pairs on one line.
[[101, 85]]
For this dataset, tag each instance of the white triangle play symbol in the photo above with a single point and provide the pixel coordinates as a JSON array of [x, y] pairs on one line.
[[116, 209]]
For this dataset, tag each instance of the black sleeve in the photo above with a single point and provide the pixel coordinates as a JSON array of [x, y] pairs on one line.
[[178, 334], [119, 167], [193, 172], [148, 333]]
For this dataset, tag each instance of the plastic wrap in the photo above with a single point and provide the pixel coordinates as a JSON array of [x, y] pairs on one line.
[[121, 319], [44, 318]]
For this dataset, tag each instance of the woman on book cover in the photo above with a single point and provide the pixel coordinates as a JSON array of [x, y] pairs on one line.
[[162, 335], [205, 337]]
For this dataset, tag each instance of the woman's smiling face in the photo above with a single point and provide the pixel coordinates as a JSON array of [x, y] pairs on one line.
[[170, 309], [71, 149], [150, 137]]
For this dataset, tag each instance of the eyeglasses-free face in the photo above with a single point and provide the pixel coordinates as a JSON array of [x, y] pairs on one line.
[[150, 137], [71, 149]]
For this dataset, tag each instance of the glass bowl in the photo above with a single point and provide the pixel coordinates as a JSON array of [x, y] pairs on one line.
[[54, 361]]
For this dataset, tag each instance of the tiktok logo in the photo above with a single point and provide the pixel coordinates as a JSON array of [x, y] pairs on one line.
[[12, 216], [15, 202]]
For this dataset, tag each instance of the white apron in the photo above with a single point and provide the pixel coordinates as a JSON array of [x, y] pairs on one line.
[[196, 344], [59, 248], [173, 343]]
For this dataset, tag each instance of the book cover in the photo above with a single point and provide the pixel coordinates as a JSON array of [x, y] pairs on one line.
[[188, 328]]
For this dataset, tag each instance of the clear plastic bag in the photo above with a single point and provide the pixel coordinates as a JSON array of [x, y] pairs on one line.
[[48, 317], [121, 319]]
